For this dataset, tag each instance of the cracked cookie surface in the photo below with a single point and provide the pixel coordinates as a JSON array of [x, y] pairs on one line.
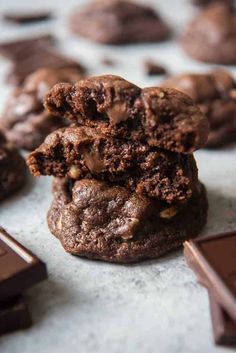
[[95, 220]]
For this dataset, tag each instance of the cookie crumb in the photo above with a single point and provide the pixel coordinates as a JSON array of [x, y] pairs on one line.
[[154, 69], [108, 61]]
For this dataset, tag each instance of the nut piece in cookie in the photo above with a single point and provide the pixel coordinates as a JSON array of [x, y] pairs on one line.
[[12, 169], [160, 117], [119, 22], [211, 35], [81, 152], [24, 120], [95, 220], [214, 92]]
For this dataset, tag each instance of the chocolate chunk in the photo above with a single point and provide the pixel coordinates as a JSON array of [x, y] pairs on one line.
[[160, 117], [213, 259], [154, 69], [211, 35], [224, 326], [119, 22], [20, 17], [214, 92], [80, 152], [14, 315], [24, 120], [19, 268], [99, 221], [12, 169], [31, 54]]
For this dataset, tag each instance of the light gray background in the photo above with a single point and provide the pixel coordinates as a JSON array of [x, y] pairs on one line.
[[94, 307]]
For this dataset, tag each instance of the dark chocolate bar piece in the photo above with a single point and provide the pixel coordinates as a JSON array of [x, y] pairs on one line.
[[20, 17], [224, 327], [213, 258], [19, 268], [14, 315]]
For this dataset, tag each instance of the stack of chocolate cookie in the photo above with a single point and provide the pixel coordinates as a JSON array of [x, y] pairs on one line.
[[126, 184]]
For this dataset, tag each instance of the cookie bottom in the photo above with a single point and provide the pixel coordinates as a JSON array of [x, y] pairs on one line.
[[110, 223]]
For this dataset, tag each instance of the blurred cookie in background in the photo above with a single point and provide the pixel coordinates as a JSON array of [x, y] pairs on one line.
[[215, 93], [211, 35], [12, 169], [25, 121], [208, 2], [29, 54], [119, 22]]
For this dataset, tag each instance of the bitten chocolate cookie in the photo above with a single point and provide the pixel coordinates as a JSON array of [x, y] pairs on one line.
[[119, 22], [215, 93], [160, 117], [24, 120], [80, 152], [12, 169], [99, 221], [211, 36]]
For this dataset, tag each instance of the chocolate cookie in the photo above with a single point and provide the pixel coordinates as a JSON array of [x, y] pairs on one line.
[[31, 54], [95, 220], [207, 2], [160, 117], [215, 93], [80, 152], [119, 22], [12, 169], [25, 121], [211, 36]]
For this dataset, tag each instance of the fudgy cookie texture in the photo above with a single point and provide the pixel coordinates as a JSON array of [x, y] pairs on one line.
[[161, 117], [215, 93], [80, 152], [25, 121], [111, 223], [12, 169], [119, 22], [126, 186], [211, 36]]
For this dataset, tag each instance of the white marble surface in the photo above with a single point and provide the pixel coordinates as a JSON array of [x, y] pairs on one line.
[[94, 307]]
